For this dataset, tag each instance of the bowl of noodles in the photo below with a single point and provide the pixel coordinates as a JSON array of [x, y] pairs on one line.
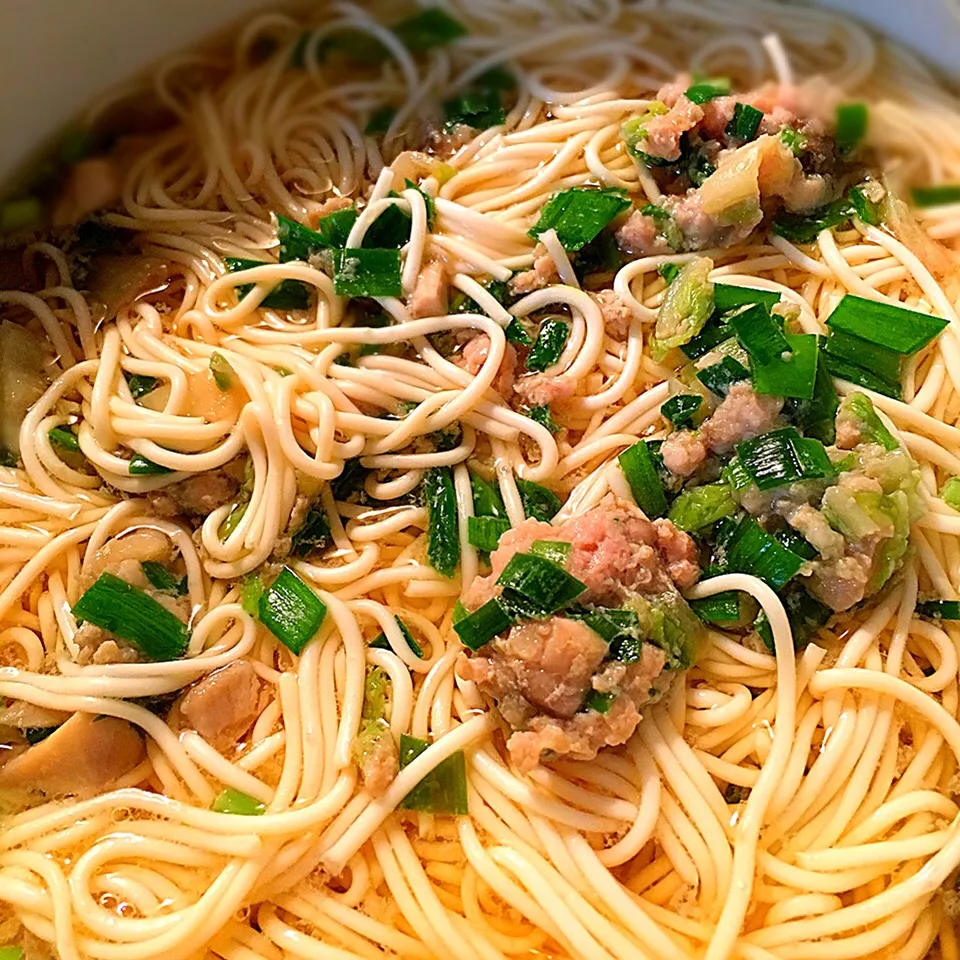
[[482, 481]]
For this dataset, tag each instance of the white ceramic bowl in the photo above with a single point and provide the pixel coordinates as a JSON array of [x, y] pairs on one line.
[[57, 55]]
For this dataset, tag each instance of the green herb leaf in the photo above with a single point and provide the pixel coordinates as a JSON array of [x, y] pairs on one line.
[[238, 803], [141, 385], [480, 627], [720, 377], [542, 415], [162, 579], [545, 586], [697, 508], [443, 539], [548, 347], [746, 121], [485, 532], [579, 214], [380, 642], [555, 550], [64, 438], [897, 328], [783, 456], [793, 374], [701, 93], [366, 272], [430, 28], [935, 196], [444, 789], [291, 611], [538, 502], [852, 122], [641, 472], [142, 467]]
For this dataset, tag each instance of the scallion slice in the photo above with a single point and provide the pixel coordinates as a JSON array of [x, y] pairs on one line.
[[720, 377], [133, 615], [298, 242], [363, 272], [806, 616], [64, 438], [753, 551], [666, 225], [541, 414], [707, 90], [940, 609], [794, 140], [335, 227], [897, 328], [238, 803], [792, 375], [538, 502], [286, 295], [872, 428], [545, 585], [516, 333], [486, 498], [783, 456], [854, 373], [950, 493], [443, 789], [224, 376], [579, 214], [727, 297], [816, 416], [291, 611], [639, 468], [725, 609], [601, 702], [805, 228], [867, 210], [313, 533], [608, 623], [555, 550], [391, 230], [935, 196], [140, 385], [162, 579], [852, 122], [746, 121], [761, 337], [548, 346], [485, 532], [680, 409], [443, 539], [697, 508], [480, 627], [880, 361], [380, 642], [712, 335], [251, 590], [142, 467], [432, 27]]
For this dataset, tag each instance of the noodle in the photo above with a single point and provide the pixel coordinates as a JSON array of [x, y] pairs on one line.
[[776, 804]]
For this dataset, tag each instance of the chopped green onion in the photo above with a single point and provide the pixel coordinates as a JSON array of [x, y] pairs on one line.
[[428, 201], [64, 438], [543, 586], [380, 120], [639, 468], [486, 498], [627, 648], [141, 385], [746, 121], [515, 332], [162, 579], [736, 475], [701, 93], [238, 803], [542, 414], [350, 479], [24, 214], [699, 167], [687, 306], [443, 539], [601, 702], [391, 230], [852, 121], [795, 542], [713, 334], [879, 361], [950, 493], [481, 105], [753, 551], [11, 953], [335, 227], [884, 324], [669, 272], [313, 533], [805, 228], [872, 428], [140, 466], [783, 456], [816, 415], [761, 337], [795, 140], [727, 297], [720, 377], [299, 242], [700, 507], [869, 211], [538, 502], [251, 590], [792, 375], [935, 196], [443, 789], [940, 609], [223, 374], [727, 609], [854, 373], [806, 616], [680, 409], [291, 611], [579, 214], [481, 626], [380, 642], [134, 616], [286, 295], [555, 550], [485, 532], [666, 225], [634, 133], [548, 347], [430, 28], [609, 624], [363, 272]]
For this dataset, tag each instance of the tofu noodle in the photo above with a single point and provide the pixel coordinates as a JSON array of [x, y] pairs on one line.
[[483, 481]]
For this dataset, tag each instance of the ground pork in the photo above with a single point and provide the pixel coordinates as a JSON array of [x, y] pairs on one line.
[[330, 205], [663, 133], [678, 554], [683, 453], [199, 495], [474, 356], [223, 705], [812, 525], [543, 274], [379, 761], [538, 388], [743, 415], [430, 295], [640, 236], [617, 316]]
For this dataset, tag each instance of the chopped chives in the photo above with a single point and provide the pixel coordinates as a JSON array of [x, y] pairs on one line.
[[485, 532], [313, 533], [238, 803], [753, 551], [481, 105], [223, 374], [601, 702], [816, 415], [363, 272], [443, 789], [251, 590], [666, 225], [298, 242], [133, 615], [141, 385], [712, 335], [792, 375], [795, 141], [391, 229], [940, 609], [746, 121], [482, 625], [548, 347], [805, 228], [555, 550], [669, 272], [720, 377], [722, 609], [705, 91], [727, 297], [162, 579], [543, 585], [680, 409], [542, 414], [640, 470], [852, 122], [486, 498], [286, 295], [935, 196], [335, 227], [579, 214], [853, 373], [291, 611], [64, 438], [142, 467], [516, 333], [762, 338], [380, 642], [608, 623], [783, 456], [538, 502], [880, 361], [885, 324], [697, 508], [443, 538], [867, 210]]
